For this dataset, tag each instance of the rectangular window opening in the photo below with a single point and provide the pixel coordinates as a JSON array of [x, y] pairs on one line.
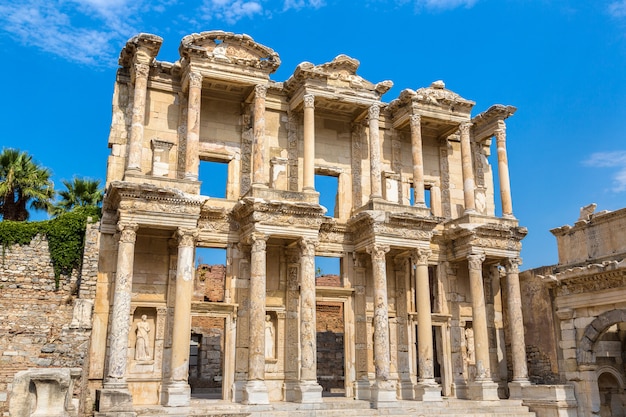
[[328, 271], [427, 197], [210, 279], [213, 177], [327, 186]]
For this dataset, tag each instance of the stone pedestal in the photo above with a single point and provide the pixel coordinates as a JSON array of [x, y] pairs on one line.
[[308, 392], [428, 391], [383, 394], [405, 390], [255, 392], [483, 391], [362, 390], [112, 401], [177, 394], [516, 388]]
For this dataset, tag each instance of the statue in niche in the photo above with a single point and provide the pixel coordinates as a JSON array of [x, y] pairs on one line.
[[269, 337], [469, 337], [142, 345]]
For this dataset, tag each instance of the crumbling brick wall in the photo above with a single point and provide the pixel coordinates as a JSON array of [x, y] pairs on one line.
[[35, 317]]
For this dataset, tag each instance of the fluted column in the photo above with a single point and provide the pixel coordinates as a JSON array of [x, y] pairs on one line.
[[256, 390], [308, 390], [483, 387], [192, 159], [115, 393], [384, 389], [503, 171], [418, 161], [469, 185], [427, 389], [309, 143], [120, 321], [516, 325], [177, 392], [259, 174], [375, 175], [138, 117]]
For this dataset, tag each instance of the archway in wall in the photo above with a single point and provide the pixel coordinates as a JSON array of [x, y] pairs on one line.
[[611, 396], [603, 345]]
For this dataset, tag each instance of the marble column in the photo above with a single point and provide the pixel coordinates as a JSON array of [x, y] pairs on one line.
[[418, 161], [178, 392], [469, 185], [115, 394], [309, 143], [135, 142], [483, 387], [384, 389], [308, 390], [255, 391], [374, 131], [516, 326], [435, 201], [503, 171], [259, 170], [427, 389], [192, 159]]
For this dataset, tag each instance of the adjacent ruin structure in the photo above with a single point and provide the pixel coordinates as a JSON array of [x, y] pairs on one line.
[[428, 270], [582, 301]]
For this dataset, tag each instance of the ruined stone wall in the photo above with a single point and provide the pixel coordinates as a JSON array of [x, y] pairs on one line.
[[539, 325], [36, 329]]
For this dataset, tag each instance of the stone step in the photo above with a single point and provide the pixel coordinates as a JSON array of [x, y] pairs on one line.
[[342, 407]]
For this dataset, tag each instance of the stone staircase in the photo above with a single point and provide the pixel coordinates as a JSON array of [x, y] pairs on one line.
[[342, 407]]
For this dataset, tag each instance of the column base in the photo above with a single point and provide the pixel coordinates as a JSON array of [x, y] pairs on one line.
[[255, 392], [289, 391], [384, 394], [115, 400], [428, 391], [405, 390], [483, 391], [516, 388], [177, 395], [308, 392], [362, 390]]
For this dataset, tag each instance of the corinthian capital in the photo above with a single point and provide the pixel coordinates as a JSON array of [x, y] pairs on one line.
[[416, 121], [195, 80], [512, 265], [464, 128], [309, 101], [307, 247], [186, 237], [475, 260], [377, 251], [374, 112], [260, 91], [420, 256], [128, 232], [141, 70], [259, 242]]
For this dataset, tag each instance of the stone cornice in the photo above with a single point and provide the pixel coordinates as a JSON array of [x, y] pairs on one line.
[[485, 123], [142, 48], [582, 275]]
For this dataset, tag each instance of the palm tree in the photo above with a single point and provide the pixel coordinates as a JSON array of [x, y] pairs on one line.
[[81, 192], [22, 181]]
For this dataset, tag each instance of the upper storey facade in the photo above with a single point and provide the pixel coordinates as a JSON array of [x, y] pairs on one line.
[[422, 152]]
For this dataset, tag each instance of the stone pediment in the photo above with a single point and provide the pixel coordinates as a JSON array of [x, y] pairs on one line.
[[438, 95], [228, 48], [339, 73]]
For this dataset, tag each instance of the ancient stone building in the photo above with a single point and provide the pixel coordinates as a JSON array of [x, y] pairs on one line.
[[582, 301], [428, 269]]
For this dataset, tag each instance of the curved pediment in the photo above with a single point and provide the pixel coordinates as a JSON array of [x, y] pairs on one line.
[[228, 48]]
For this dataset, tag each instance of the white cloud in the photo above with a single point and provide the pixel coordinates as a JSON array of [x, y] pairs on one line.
[[230, 10], [444, 4], [616, 159], [617, 8], [49, 27], [299, 4]]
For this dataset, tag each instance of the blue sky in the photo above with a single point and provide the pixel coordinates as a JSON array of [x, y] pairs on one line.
[[561, 63]]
